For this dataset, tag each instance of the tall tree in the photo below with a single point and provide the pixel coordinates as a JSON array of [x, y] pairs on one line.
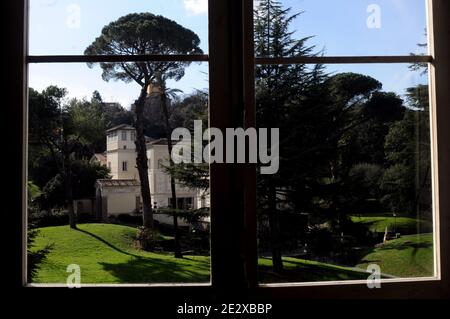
[[276, 87], [65, 130], [320, 118], [164, 93], [407, 181], [143, 34]]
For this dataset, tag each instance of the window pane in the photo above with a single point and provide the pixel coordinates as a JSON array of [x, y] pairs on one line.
[[353, 191], [64, 27], [343, 27], [77, 155]]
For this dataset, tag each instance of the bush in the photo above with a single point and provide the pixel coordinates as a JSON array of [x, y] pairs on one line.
[[293, 228], [48, 218], [34, 257], [333, 247], [320, 242], [196, 242], [150, 239], [127, 219]]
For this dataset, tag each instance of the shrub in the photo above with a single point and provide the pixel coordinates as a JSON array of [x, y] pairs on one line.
[[147, 239], [46, 218], [128, 219], [34, 257]]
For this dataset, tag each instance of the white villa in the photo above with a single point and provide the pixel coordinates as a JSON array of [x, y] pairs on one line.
[[121, 194]]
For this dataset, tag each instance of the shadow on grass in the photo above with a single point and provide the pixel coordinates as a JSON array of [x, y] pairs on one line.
[[141, 269], [107, 243], [302, 272], [152, 270]]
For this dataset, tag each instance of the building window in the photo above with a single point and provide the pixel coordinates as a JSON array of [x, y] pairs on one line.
[[124, 135], [124, 166], [182, 202], [124, 147], [109, 165], [133, 136], [189, 203]]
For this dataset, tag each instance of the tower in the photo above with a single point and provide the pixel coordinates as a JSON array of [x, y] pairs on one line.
[[121, 152]]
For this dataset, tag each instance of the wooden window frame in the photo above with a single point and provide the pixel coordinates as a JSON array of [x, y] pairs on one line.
[[231, 71], [438, 14]]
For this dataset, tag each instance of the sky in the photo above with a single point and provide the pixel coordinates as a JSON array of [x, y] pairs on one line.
[[338, 27]]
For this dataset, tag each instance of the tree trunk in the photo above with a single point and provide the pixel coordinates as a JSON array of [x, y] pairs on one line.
[[274, 229], [177, 245], [174, 205], [142, 161], [67, 169]]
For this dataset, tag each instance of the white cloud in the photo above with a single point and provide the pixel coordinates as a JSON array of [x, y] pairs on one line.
[[196, 6]]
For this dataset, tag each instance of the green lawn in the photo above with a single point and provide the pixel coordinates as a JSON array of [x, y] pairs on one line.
[[403, 225], [106, 254], [408, 256]]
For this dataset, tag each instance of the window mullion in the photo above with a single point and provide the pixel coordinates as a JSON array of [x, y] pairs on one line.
[[226, 111], [250, 200], [117, 58], [439, 29], [344, 59]]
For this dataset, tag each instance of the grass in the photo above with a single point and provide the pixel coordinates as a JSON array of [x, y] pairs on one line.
[[403, 225], [408, 256], [405, 257], [301, 270], [105, 254]]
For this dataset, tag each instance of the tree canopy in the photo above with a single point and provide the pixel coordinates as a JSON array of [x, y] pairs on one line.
[[144, 34]]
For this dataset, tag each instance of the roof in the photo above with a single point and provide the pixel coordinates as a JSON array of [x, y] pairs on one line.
[[117, 182], [121, 127], [160, 141], [101, 157]]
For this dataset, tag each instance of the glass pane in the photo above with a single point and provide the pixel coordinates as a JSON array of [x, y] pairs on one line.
[[342, 27], [65, 27], [83, 158], [352, 195]]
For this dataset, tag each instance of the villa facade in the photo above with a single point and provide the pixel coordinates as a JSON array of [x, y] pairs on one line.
[[121, 194]]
